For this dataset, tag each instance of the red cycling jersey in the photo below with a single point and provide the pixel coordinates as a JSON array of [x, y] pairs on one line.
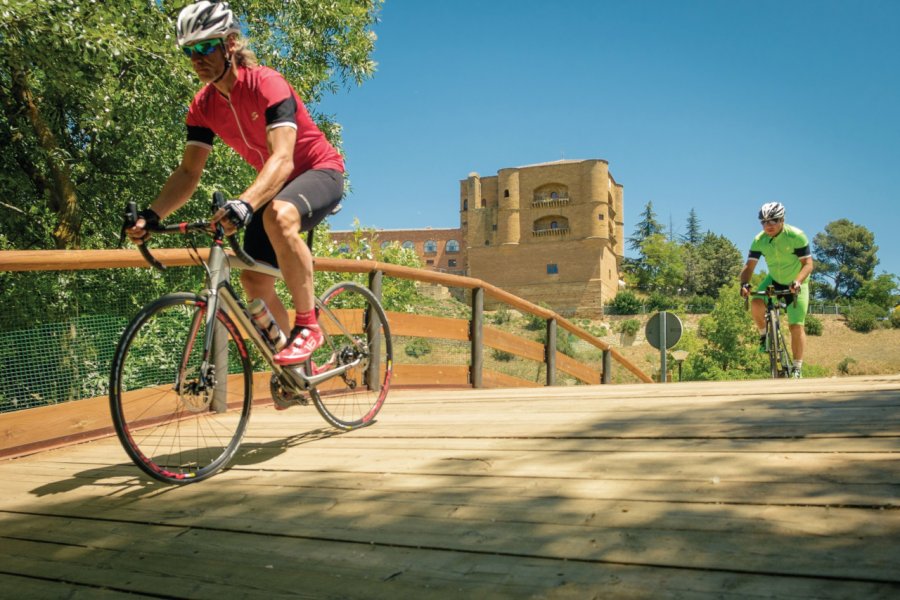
[[260, 99]]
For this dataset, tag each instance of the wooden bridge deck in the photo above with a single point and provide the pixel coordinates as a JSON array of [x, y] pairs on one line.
[[733, 490]]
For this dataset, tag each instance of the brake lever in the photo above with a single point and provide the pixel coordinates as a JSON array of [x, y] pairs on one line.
[[131, 217], [218, 201]]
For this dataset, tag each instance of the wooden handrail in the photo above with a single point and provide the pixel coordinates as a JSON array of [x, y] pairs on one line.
[[75, 260]]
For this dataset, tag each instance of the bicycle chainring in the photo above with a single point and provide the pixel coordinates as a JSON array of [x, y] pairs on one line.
[[283, 397]]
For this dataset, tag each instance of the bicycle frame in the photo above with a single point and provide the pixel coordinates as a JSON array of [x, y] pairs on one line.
[[218, 288], [780, 361]]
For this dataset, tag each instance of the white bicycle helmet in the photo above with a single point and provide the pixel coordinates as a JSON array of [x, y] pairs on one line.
[[203, 21], [771, 210]]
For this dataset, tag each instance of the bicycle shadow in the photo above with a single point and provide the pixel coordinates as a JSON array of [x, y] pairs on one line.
[[125, 481]]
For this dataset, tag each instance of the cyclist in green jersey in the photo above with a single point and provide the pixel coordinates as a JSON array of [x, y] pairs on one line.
[[790, 263]]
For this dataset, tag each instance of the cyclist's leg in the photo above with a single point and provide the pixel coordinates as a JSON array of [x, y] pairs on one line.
[[258, 285], [758, 312], [796, 313], [300, 206]]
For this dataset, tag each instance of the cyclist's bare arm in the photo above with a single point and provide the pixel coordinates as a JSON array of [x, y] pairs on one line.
[[177, 189], [746, 274], [274, 174], [805, 270]]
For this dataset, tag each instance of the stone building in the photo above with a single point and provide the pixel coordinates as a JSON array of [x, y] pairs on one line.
[[556, 228], [549, 232]]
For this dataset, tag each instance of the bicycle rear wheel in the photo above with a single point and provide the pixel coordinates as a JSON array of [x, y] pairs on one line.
[[175, 427], [356, 332]]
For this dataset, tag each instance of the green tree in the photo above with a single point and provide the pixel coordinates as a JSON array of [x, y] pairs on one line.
[[715, 261], [93, 94], [881, 291], [662, 268], [692, 233], [730, 341], [845, 255], [648, 226]]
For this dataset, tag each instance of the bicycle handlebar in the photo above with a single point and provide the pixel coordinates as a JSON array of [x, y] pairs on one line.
[[217, 231], [770, 292]]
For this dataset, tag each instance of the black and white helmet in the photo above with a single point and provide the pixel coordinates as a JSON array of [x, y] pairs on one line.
[[771, 210], [205, 20]]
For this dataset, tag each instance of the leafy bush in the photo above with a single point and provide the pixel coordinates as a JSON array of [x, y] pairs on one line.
[[661, 301], [628, 327], [501, 316], [626, 303], [864, 316], [813, 325], [700, 305], [895, 318], [845, 367], [536, 323], [502, 355], [418, 348]]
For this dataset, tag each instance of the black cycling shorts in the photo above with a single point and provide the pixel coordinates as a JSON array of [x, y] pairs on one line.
[[315, 193]]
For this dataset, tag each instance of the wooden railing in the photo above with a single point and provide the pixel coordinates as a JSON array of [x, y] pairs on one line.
[[474, 332]]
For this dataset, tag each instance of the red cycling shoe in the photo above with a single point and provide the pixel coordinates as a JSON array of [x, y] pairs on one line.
[[301, 346]]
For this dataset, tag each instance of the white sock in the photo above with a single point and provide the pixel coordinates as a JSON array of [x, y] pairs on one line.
[[798, 364]]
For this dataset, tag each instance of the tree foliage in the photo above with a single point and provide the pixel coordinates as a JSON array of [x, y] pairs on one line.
[[647, 227], [730, 337], [93, 97], [845, 255], [692, 234]]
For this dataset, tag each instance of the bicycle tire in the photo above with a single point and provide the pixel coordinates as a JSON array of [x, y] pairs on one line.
[[772, 341], [173, 433], [352, 400]]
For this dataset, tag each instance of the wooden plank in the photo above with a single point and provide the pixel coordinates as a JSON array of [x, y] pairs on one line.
[[44, 427], [406, 324], [577, 369], [491, 378], [508, 342], [728, 490]]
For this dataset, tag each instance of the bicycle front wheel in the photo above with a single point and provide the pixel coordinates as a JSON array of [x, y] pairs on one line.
[[180, 414], [357, 334]]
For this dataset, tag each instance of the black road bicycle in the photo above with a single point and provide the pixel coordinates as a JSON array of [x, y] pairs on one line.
[[182, 381], [780, 363]]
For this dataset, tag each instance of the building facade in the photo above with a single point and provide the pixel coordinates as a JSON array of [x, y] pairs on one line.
[[556, 228], [549, 232]]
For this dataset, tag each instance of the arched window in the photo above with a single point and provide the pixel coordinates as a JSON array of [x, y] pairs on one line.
[[409, 245], [430, 247], [554, 195], [466, 204], [385, 244], [452, 246], [554, 225], [483, 202]]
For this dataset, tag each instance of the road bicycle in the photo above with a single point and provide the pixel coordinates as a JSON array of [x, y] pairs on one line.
[[780, 363], [182, 378]]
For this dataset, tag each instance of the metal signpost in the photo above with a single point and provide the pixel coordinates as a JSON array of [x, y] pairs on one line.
[[663, 331]]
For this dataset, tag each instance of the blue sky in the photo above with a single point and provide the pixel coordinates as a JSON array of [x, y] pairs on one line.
[[713, 105]]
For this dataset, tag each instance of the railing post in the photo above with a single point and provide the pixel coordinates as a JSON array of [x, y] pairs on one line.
[[373, 331], [476, 331], [607, 364], [550, 352]]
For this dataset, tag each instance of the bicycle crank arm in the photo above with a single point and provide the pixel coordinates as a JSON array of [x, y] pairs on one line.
[[305, 383]]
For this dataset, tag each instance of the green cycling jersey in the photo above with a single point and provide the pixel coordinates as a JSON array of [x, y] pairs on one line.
[[782, 252]]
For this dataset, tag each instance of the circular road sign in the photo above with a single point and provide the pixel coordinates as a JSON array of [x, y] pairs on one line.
[[654, 329]]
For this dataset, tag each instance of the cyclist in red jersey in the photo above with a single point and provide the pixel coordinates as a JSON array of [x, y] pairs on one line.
[[299, 181]]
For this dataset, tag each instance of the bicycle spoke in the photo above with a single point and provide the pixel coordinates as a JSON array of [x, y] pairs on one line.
[[165, 410], [357, 334]]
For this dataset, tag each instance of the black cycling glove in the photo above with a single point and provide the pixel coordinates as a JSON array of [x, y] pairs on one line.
[[150, 216], [239, 212]]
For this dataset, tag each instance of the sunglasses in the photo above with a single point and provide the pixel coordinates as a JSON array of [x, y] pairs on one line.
[[770, 222], [202, 48]]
